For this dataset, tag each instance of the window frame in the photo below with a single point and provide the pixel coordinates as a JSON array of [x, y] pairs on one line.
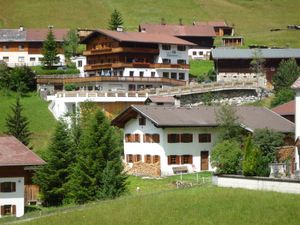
[[181, 48], [166, 47], [8, 187], [204, 138], [173, 138]]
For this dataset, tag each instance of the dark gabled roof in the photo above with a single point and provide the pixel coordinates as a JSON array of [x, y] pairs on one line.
[[285, 109], [14, 153], [31, 35], [225, 53], [131, 36], [179, 30], [250, 117], [160, 99]]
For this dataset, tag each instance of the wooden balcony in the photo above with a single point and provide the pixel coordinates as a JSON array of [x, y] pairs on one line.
[[99, 66], [106, 51], [51, 79]]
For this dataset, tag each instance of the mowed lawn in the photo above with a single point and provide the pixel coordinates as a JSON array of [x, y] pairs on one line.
[[252, 19], [42, 123], [198, 205]]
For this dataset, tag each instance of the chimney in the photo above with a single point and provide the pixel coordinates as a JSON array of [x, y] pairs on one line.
[[120, 28], [194, 23], [21, 28], [143, 30], [180, 21], [163, 22], [50, 27]]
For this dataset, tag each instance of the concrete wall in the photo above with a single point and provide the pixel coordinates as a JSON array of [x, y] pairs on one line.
[[14, 198], [164, 149], [264, 184]]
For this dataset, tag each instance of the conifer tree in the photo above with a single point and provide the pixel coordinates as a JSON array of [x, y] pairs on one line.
[[71, 43], [50, 51], [17, 124], [115, 20], [53, 176], [98, 171]]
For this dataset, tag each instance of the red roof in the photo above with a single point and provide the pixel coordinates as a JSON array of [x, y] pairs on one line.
[[14, 153], [131, 36], [180, 30], [285, 109], [41, 34], [296, 84]]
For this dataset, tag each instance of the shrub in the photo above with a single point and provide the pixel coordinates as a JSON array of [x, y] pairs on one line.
[[226, 156], [283, 96], [70, 87], [252, 156]]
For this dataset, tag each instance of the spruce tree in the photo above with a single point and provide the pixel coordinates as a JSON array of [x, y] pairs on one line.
[[50, 51], [17, 124], [98, 171], [115, 20], [53, 176]]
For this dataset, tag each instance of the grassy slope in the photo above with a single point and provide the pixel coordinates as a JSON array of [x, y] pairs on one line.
[[199, 67], [36, 110], [253, 19], [202, 205]]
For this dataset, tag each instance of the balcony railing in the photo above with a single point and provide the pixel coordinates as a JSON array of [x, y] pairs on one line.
[[120, 50], [51, 79], [98, 66]]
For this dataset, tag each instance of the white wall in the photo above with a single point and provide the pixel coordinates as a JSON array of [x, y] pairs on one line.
[[173, 54], [297, 123], [204, 56], [14, 198], [163, 149], [257, 184], [77, 60]]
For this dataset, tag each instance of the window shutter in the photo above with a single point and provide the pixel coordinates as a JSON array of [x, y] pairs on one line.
[[127, 158], [145, 158], [145, 138], [2, 210], [190, 159], [137, 138], [181, 159], [169, 159], [0, 187], [134, 158], [155, 138], [14, 209], [13, 187], [177, 159], [157, 158]]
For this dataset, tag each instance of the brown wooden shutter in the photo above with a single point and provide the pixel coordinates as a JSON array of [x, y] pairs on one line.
[[155, 138], [2, 210], [13, 187], [169, 160], [145, 138], [14, 209], [177, 159], [181, 159], [137, 138], [190, 159], [157, 159], [145, 158], [127, 158], [1, 187]]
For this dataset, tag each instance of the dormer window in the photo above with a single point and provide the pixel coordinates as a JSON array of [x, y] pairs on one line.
[[142, 121]]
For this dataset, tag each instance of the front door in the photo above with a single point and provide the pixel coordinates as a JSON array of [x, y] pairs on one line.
[[204, 160]]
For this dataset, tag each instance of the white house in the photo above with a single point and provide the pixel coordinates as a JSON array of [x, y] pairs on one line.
[[17, 164], [182, 138], [19, 47]]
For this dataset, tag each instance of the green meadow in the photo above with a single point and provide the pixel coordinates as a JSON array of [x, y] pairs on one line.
[[252, 19]]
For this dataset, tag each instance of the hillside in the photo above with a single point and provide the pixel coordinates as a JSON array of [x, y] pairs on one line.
[[252, 18]]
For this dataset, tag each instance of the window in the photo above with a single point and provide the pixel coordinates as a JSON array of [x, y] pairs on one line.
[[181, 47], [40, 59], [147, 159], [181, 61], [186, 138], [5, 58], [152, 74], [155, 138], [173, 159], [181, 76], [142, 121], [174, 75], [166, 74], [21, 47], [151, 138], [21, 58], [137, 158], [166, 61], [8, 210], [194, 53], [141, 73], [186, 159], [173, 138], [131, 73], [133, 138], [204, 138], [166, 47], [5, 47], [131, 87], [201, 53], [121, 73], [79, 63], [32, 59], [156, 158], [129, 158], [8, 187]]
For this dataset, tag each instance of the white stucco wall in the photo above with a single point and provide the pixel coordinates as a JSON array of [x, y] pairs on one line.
[[204, 56], [297, 123], [77, 60], [256, 184], [14, 198], [173, 54], [164, 149]]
